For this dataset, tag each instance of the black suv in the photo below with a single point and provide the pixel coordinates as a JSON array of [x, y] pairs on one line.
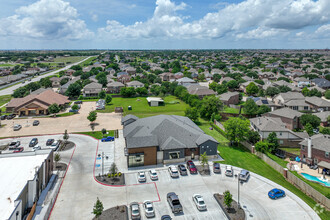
[[33, 142]]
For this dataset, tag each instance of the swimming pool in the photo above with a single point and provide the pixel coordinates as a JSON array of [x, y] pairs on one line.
[[315, 179]]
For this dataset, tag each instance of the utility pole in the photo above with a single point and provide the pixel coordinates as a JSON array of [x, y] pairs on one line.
[[102, 163]]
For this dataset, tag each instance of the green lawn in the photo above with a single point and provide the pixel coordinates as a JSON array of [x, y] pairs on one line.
[[3, 100], [241, 157], [87, 61], [227, 109], [140, 107], [6, 64], [64, 114], [292, 150], [68, 59], [98, 134]]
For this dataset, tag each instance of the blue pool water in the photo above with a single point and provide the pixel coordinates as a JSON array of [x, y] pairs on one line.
[[316, 179]]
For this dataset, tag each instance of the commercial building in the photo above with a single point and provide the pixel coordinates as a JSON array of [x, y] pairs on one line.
[[23, 177]]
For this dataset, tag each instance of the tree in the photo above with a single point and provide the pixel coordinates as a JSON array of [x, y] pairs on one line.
[[73, 90], [54, 109], [237, 129], [253, 136], [102, 94], [63, 81], [113, 168], [272, 91], [192, 113], [263, 109], [98, 208], [311, 119], [327, 94], [273, 142], [45, 82], [305, 91], [210, 104], [216, 77], [213, 86], [309, 129], [92, 116], [66, 136], [221, 89], [203, 159], [232, 84], [75, 107], [252, 89], [284, 89], [261, 146], [104, 131], [284, 79], [250, 107], [127, 91], [57, 158], [142, 91], [228, 198], [108, 99]]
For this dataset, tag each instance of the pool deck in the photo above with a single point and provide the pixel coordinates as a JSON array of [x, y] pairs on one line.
[[305, 169]]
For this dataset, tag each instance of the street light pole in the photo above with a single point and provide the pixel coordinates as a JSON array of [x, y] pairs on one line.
[[238, 205], [102, 163]]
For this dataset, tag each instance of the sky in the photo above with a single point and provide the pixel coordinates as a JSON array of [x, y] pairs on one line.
[[164, 24]]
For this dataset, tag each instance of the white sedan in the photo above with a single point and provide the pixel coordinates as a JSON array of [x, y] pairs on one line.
[[199, 202], [149, 209], [141, 176], [153, 175]]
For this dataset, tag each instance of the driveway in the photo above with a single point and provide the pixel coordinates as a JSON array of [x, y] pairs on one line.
[[10, 90], [73, 123], [81, 189]]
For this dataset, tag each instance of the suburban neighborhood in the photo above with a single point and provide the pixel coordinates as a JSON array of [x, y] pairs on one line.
[[186, 134]]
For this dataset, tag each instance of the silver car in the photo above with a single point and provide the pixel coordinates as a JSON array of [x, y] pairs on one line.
[[135, 211], [244, 175], [229, 170]]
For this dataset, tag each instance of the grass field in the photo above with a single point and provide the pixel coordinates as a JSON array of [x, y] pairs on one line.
[[140, 107], [6, 64], [292, 150], [241, 157], [68, 59], [87, 61], [98, 134], [3, 100]]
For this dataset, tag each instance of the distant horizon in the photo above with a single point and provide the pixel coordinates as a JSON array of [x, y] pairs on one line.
[[325, 49]]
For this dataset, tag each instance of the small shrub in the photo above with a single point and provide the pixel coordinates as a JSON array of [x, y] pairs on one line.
[[115, 174], [119, 174], [109, 175]]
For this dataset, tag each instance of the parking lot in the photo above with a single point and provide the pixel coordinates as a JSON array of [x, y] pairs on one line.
[[73, 123], [80, 187]]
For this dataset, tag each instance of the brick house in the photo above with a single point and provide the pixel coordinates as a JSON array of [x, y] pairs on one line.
[[114, 87], [317, 103], [316, 149], [288, 116], [167, 76], [229, 98]]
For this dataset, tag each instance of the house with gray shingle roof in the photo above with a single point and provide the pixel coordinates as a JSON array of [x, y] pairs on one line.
[[114, 87], [317, 103], [92, 89], [266, 125], [229, 98], [164, 139], [200, 91], [288, 116], [316, 150]]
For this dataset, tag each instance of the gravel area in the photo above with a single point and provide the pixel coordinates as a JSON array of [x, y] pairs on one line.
[[232, 213], [114, 213], [112, 181], [204, 171]]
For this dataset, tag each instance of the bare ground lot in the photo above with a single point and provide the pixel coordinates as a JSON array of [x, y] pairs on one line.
[[73, 123]]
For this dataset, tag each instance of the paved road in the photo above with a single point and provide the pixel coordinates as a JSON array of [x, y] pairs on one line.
[[11, 89], [79, 187]]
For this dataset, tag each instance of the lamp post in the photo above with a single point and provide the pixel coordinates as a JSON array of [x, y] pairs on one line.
[[238, 183], [102, 164]]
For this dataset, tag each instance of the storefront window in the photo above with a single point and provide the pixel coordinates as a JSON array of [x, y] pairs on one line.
[[174, 155], [136, 160]]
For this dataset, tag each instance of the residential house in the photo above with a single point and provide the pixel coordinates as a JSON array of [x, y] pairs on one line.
[[321, 83], [318, 89], [64, 88], [124, 79], [36, 103], [293, 100], [185, 81], [227, 79], [69, 72], [165, 139], [114, 87], [318, 104], [56, 82], [167, 76], [121, 74], [288, 116], [92, 89], [264, 101], [266, 125], [229, 98], [200, 91], [301, 82], [155, 101], [110, 70], [267, 75], [248, 79], [284, 83], [130, 70], [316, 150], [324, 117], [135, 84]]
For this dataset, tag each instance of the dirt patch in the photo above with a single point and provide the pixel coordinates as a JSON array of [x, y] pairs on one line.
[[60, 166], [116, 181], [66, 146], [234, 213], [114, 213], [204, 171]]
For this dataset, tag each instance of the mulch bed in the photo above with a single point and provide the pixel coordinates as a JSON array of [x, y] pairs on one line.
[[233, 213], [112, 181], [204, 171], [114, 213], [67, 146], [60, 166]]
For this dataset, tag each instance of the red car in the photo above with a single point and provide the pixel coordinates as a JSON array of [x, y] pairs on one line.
[[191, 166], [19, 149]]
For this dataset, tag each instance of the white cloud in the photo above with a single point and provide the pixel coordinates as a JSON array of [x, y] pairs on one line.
[[95, 17], [262, 19], [45, 19]]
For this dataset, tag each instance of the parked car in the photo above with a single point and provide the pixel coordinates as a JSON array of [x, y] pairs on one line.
[[74, 111], [106, 139], [191, 166], [182, 169], [229, 170], [244, 175], [19, 149], [14, 144], [141, 176], [166, 217], [55, 145], [148, 209], [78, 102], [33, 142], [37, 147], [216, 168], [49, 142], [135, 211], [173, 171], [17, 127], [3, 117], [276, 193], [199, 202], [11, 116], [36, 122], [174, 202], [153, 175]]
